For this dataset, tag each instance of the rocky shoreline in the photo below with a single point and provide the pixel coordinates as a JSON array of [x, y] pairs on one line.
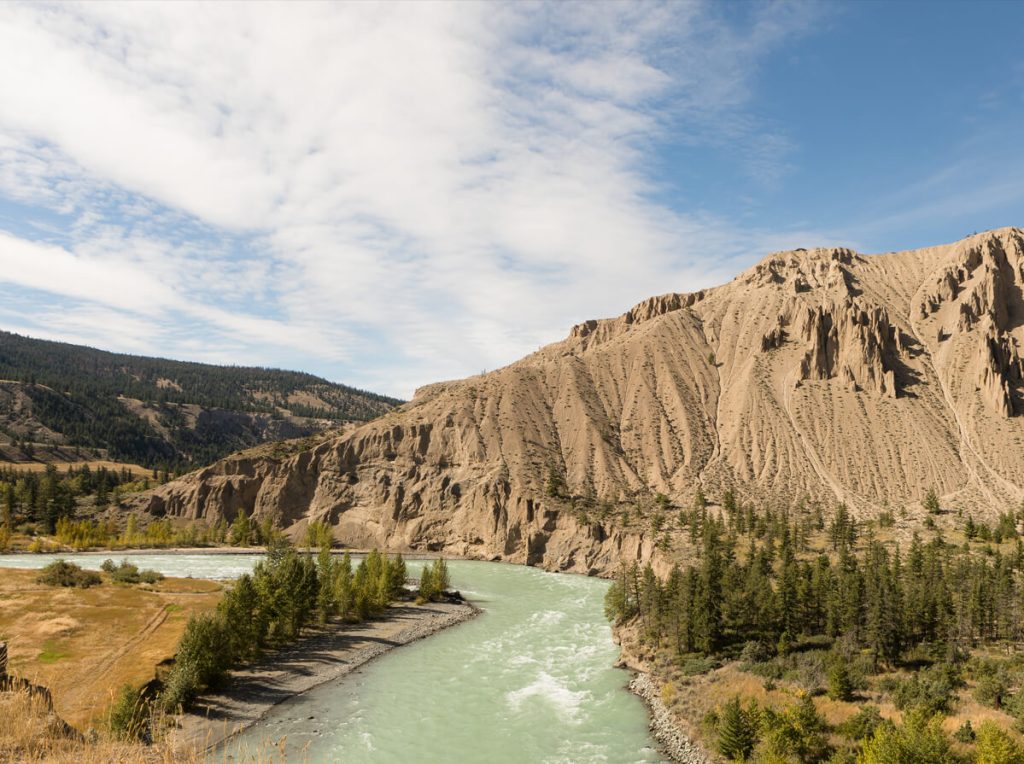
[[672, 740], [325, 655]]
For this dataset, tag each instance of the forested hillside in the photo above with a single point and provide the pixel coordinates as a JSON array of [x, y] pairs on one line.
[[57, 399]]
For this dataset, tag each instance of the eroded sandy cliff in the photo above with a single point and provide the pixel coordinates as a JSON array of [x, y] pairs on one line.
[[865, 379]]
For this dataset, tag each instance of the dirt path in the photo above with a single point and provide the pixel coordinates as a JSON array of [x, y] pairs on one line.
[[143, 634]]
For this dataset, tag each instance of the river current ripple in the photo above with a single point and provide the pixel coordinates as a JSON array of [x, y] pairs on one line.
[[529, 680]]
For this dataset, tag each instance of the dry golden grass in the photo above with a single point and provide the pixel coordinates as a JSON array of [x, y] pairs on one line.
[[30, 734], [92, 464], [84, 644]]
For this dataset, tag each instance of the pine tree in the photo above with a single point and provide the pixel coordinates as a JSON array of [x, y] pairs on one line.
[[428, 588], [736, 736], [840, 685], [7, 519], [397, 574], [241, 530], [343, 587]]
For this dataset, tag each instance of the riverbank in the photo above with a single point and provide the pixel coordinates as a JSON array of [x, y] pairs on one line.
[[324, 655], [674, 741]]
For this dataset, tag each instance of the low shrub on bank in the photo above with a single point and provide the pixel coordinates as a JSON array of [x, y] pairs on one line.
[[63, 573], [129, 715], [126, 573]]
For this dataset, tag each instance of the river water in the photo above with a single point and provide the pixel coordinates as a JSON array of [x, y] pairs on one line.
[[529, 680]]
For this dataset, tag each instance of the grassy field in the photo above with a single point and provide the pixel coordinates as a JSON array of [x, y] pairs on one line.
[[84, 644], [93, 464]]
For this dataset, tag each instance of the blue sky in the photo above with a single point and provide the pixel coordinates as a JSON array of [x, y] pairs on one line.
[[388, 195]]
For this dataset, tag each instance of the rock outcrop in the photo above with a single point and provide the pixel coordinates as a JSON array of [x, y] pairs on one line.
[[819, 373]]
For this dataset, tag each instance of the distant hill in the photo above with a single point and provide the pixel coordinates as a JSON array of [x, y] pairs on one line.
[[61, 402]]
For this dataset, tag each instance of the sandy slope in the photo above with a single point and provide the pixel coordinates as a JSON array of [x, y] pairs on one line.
[[826, 373]]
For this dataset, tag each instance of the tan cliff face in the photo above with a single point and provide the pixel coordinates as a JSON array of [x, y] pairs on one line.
[[864, 379]]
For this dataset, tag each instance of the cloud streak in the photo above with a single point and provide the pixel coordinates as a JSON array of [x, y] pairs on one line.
[[385, 193]]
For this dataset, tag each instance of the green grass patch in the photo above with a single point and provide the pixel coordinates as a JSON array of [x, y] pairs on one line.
[[52, 652]]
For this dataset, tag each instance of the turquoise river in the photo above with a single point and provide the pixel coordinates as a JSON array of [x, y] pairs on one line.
[[531, 679]]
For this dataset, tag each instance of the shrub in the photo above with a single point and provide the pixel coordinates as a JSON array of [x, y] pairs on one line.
[[126, 573], [755, 651], [63, 573], [931, 689], [202, 658], [798, 732], [181, 687], [695, 666], [919, 740], [995, 746], [128, 715], [965, 733], [862, 724], [434, 581], [992, 689]]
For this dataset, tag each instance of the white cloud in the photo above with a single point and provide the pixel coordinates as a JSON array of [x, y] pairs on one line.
[[453, 183]]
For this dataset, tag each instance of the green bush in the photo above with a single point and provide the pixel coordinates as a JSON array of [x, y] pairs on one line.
[[127, 573], [799, 732], [755, 651], [919, 740], [965, 733], [202, 658], [992, 689], [63, 573], [696, 665], [181, 687], [128, 715], [862, 724], [931, 689], [806, 668], [995, 746]]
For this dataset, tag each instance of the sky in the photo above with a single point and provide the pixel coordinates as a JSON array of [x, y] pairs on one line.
[[389, 195]]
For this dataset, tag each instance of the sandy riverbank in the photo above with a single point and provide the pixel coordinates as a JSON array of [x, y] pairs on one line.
[[322, 656]]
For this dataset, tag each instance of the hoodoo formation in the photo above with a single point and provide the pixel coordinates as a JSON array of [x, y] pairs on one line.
[[867, 379]]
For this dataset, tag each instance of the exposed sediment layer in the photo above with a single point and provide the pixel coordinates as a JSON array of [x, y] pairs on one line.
[[817, 373]]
